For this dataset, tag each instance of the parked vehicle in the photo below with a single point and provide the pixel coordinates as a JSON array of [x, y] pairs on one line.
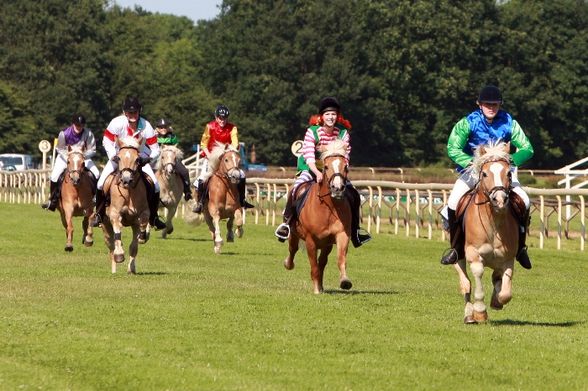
[[16, 162]]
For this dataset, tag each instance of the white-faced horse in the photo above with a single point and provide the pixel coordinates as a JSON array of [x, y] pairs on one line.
[[170, 183]]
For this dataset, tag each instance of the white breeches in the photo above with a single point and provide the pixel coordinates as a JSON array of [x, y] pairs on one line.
[[111, 167], [203, 170], [466, 182], [61, 164]]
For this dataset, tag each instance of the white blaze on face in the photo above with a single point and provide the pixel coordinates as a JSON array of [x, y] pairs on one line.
[[337, 182], [77, 160], [496, 169], [499, 197]]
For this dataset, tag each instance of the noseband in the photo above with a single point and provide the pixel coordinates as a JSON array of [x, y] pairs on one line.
[[335, 175], [132, 172], [488, 194], [71, 172]]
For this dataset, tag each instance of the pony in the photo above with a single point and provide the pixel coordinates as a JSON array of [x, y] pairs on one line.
[[77, 193], [128, 207], [223, 196], [170, 183], [491, 231], [325, 218]]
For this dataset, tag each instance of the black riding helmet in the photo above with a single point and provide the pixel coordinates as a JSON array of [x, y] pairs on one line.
[[222, 111], [328, 104], [78, 119], [162, 123], [131, 103], [490, 94]]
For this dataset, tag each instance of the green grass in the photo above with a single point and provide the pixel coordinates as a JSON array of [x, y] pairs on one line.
[[193, 320]]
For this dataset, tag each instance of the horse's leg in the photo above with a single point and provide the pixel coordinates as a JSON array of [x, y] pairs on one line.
[[322, 263], [465, 287], [293, 243], [239, 222], [109, 240], [230, 234], [67, 220], [88, 238], [143, 235], [119, 251], [342, 246], [502, 293], [311, 251], [477, 268], [133, 249], [218, 239]]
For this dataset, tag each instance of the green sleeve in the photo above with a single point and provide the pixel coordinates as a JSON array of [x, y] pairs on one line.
[[457, 141], [523, 145]]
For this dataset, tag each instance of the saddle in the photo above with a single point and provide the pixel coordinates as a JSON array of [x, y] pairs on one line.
[[300, 196]]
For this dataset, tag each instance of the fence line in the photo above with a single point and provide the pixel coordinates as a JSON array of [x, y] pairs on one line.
[[395, 207]]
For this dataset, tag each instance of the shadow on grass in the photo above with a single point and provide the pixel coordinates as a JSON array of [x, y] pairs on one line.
[[513, 322], [151, 273], [366, 292]]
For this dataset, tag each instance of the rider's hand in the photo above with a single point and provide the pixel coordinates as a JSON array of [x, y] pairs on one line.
[[319, 177]]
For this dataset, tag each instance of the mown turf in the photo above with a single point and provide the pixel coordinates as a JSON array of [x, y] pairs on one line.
[[193, 320]]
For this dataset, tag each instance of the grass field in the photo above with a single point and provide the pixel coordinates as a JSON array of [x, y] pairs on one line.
[[193, 320]]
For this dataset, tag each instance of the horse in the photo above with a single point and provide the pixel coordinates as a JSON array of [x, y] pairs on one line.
[[223, 195], [491, 231], [77, 193], [325, 219], [170, 183], [128, 207]]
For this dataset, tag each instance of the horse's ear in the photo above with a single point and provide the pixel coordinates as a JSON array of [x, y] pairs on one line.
[[482, 150], [69, 148]]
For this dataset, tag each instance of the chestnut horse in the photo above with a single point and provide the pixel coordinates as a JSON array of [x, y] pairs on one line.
[[77, 193], [170, 183], [128, 204], [223, 195], [491, 231], [325, 219]]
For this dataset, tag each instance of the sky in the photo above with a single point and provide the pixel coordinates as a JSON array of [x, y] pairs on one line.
[[193, 9]]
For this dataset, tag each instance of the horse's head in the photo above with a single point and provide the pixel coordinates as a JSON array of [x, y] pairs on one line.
[[75, 163], [168, 158], [128, 161], [226, 160], [493, 165], [335, 167]]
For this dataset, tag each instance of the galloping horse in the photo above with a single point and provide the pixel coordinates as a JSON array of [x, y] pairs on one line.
[[223, 195], [77, 192], [170, 183], [325, 219], [491, 231], [128, 204]]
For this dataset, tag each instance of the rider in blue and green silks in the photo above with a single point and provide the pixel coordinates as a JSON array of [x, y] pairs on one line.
[[487, 124]]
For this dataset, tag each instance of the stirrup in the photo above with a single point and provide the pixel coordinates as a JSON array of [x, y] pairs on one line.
[[449, 257], [363, 236], [49, 205], [523, 258], [247, 205], [187, 196], [158, 224], [197, 208], [282, 232], [96, 221]]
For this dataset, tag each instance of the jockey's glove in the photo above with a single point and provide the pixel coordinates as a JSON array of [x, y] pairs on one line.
[[115, 159], [142, 160]]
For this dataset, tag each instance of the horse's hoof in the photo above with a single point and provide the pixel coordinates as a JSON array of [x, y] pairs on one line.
[[120, 258], [469, 319], [288, 265], [480, 317], [230, 239], [142, 237], [239, 232], [69, 248], [346, 284], [170, 230]]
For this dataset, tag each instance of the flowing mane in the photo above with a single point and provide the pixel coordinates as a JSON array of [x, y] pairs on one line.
[[176, 150], [215, 156], [498, 150], [337, 147], [128, 141]]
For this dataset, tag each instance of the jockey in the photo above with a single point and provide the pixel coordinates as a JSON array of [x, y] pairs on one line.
[[223, 131], [326, 127], [75, 135], [130, 124], [166, 136], [486, 124]]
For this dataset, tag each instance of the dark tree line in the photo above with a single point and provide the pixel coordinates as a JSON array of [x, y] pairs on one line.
[[404, 70]]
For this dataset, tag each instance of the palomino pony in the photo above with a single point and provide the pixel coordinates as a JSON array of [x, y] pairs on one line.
[[223, 195], [128, 207], [491, 231], [170, 183], [77, 193], [325, 219]]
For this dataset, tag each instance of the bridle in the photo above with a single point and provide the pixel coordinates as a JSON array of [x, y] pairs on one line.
[[76, 174], [489, 194], [331, 178], [132, 173], [231, 174]]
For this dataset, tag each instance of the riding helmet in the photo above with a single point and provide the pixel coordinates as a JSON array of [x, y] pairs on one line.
[[490, 94], [78, 119], [329, 104], [132, 103], [222, 111], [162, 123]]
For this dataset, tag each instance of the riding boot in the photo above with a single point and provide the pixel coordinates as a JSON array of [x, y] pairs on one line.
[[93, 182], [283, 230], [522, 255], [53, 200], [153, 198], [100, 208], [241, 186], [200, 190], [359, 236], [185, 175], [456, 238]]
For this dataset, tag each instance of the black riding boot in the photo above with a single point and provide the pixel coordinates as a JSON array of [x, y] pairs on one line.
[[185, 175], [93, 181], [100, 208], [283, 230], [456, 238], [200, 190], [53, 200], [522, 255], [241, 186], [358, 236], [153, 198]]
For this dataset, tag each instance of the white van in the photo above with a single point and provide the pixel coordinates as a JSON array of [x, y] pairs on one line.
[[16, 162]]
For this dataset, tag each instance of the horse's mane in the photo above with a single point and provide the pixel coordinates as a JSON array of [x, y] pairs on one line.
[[215, 156], [178, 152], [336, 147], [496, 150], [76, 149], [129, 141]]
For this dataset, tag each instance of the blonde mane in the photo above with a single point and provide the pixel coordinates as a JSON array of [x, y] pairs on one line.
[[214, 158], [497, 150], [336, 147], [129, 141], [176, 150]]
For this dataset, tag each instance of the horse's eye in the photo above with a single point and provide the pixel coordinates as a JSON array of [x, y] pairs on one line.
[[484, 174], [509, 175]]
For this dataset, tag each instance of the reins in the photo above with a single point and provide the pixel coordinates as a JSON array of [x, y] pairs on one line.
[[488, 193]]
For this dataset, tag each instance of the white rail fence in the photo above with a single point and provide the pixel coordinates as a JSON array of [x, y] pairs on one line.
[[388, 207]]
